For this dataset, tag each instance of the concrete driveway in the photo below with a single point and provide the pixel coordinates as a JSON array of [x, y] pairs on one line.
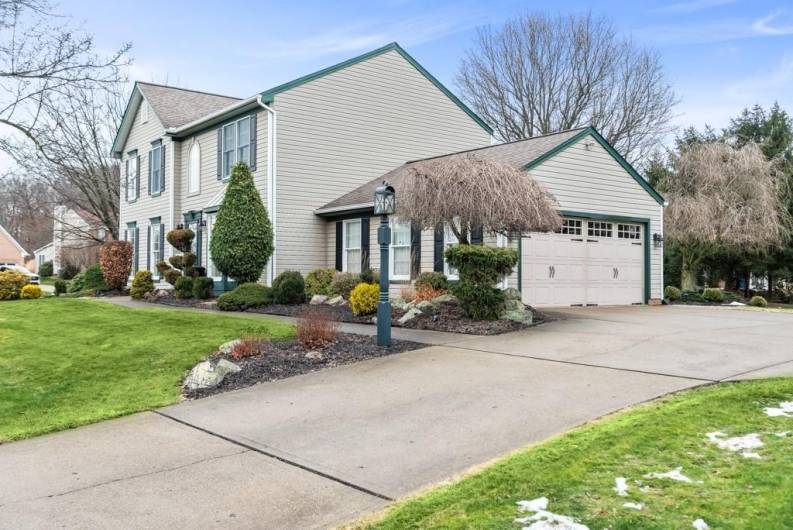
[[320, 449]]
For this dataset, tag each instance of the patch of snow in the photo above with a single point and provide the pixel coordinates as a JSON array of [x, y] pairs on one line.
[[535, 505], [699, 524], [674, 474], [622, 486], [543, 519], [633, 505], [785, 409], [737, 444]]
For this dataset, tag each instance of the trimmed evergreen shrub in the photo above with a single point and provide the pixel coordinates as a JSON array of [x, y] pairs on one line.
[[370, 276], [77, 284], [318, 282], [242, 237], [60, 287], [479, 300], [672, 293], [93, 279], [364, 298], [343, 283], [68, 271], [181, 239], [30, 292], [480, 268], [758, 301], [142, 284], [11, 284], [45, 271], [289, 288], [202, 287], [115, 258], [436, 280], [183, 288], [172, 275], [245, 296], [713, 294]]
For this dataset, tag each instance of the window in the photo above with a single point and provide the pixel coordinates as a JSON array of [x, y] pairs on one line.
[[400, 251], [194, 169], [155, 252], [598, 229], [629, 231], [352, 246], [41, 260], [193, 225], [155, 166], [131, 236], [449, 240], [212, 271], [571, 227], [132, 175], [236, 144], [144, 111]]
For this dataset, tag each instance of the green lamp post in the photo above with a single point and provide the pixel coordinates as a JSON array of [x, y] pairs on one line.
[[384, 205]]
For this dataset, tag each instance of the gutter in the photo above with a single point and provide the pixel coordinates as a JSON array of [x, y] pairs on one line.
[[211, 119], [322, 212], [272, 137]]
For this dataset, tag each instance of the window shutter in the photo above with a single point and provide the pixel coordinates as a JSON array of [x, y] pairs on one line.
[[364, 243], [136, 230], [339, 239], [253, 141], [477, 236], [162, 245], [149, 165], [415, 250], [137, 177], [438, 261], [220, 153], [198, 249], [162, 168], [148, 248]]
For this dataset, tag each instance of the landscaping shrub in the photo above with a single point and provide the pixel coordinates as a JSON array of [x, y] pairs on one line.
[[181, 239], [289, 288], [30, 291], [242, 237], [343, 283], [428, 292], [407, 293], [436, 280], [480, 268], [172, 275], [713, 294], [315, 328], [692, 297], [142, 284], [11, 284], [245, 296], [45, 271], [68, 271], [183, 288], [364, 298], [369, 276], [60, 287], [93, 278], [318, 282], [202, 287], [115, 258], [672, 293], [248, 347], [76, 284], [758, 301]]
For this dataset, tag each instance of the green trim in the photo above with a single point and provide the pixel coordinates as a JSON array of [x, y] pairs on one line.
[[520, 264], [269, 95], [211, 209], [609, 149], [117, 153]]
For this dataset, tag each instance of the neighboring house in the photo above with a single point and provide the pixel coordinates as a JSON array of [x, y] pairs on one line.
[[42, 255], [11, 252], [319, 145], [76, 237]]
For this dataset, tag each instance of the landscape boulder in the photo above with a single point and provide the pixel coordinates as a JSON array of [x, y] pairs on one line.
[[206, 375], [318, 299], [410, 315]]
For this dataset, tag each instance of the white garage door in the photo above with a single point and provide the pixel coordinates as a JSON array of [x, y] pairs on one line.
[[587, 263]]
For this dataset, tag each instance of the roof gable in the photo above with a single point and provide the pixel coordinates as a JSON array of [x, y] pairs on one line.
[[269, 94], [9, 237]]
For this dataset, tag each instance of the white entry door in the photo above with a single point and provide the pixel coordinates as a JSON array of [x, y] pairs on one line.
[[586, 263]]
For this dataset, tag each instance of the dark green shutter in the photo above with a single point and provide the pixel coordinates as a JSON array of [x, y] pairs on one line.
[[137, 177], [220, 153], [149, 165], [162, 168], [438, 261], [339, 238], [253, 142], [137, 246], [126, 178], [364, 243], [148, 248], [415, 250], [162, 246], [477, 236]]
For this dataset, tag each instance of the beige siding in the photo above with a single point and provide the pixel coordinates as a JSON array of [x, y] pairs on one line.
[[347, 128], [590, 180]]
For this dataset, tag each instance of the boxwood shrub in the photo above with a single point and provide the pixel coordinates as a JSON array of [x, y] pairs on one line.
[[245, 296], [758, 301], [713, 294], [142, 284], [289, 288], [183, 288], [672, 293], [202, 287]]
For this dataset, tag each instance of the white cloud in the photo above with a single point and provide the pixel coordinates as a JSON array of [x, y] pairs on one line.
[[779, 22], [769, 83], [774, 24], [693, 6]]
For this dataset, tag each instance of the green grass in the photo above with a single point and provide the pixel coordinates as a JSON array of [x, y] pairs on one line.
[[67, 362], [576, 471]]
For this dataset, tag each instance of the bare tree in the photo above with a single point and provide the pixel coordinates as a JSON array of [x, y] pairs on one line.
[[720, 195], [467, 193], [25, 210], [540, 74]]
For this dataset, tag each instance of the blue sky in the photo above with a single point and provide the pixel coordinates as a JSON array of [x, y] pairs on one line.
[[720, 55]]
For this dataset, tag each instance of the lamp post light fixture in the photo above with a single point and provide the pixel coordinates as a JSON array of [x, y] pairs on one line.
[[384, 205]]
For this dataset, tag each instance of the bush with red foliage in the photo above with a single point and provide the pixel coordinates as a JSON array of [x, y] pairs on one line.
[[248, 347], [427, 292], [315, 328], [115, 259]]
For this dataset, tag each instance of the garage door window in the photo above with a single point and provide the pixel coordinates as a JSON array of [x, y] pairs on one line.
[[571, 227], [599, 229], [629, 231]]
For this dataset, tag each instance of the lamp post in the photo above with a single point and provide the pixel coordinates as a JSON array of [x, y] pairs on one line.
[[384, 205]]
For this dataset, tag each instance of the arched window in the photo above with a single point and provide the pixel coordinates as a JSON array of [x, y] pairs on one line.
[[194, 169]]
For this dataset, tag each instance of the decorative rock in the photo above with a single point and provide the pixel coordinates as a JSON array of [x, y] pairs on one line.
[[424, 305], [318, 299], [443, 298], [336, 300], [399, 303], [517, 316], [410, 315], [226, 347], [514, 305], [374, 320], [315, 355], [511, 294], [205, 375]]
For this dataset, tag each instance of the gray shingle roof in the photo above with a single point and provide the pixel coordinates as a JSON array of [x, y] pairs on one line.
[[178, 106], [519, 154]]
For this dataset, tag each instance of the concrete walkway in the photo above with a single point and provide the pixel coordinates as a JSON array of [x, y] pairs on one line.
[[320, 449]]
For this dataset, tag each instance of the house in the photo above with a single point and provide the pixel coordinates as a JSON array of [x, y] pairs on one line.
[[76, 238], [318, 145], [11, 252], [42, 255]]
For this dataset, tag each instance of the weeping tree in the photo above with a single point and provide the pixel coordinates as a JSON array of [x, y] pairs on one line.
[[720, 196]]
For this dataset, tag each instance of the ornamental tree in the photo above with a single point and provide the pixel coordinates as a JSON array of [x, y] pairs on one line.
[[242, 237], [115, 259]]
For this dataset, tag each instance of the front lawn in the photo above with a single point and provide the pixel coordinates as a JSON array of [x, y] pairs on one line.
[[577, 471], [67, 362]]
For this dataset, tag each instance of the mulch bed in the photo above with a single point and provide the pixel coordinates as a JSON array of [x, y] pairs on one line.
[[288, 358]]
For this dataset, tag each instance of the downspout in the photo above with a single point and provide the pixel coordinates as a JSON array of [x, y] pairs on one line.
[[172, 198], [272, 124]]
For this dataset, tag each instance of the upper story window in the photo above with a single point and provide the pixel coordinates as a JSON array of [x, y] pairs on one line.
[[132, 171], [194, 169], [156, 168], [352, 246], [236, 144], [400, 251]]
